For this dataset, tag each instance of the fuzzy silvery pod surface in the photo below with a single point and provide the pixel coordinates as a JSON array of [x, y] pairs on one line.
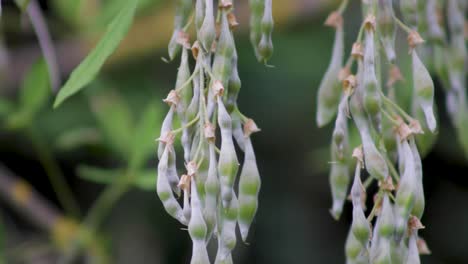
[[413, 253], [423, 90], [228, 163], [207, 32], [265, 46], [405, 197], [249, 188], [197, 228], [212, 188], [329, 91], [166, 127], [227, 222], [387, 28], [257, 8], [360, 226], [183, 8], [339, 172], [165, 192]]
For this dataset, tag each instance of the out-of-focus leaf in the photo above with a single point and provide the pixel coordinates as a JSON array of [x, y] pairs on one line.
[[91, 65], [145, 180], [115, 121], [68, 9], [35, 89], [76, 138], [6, 107], [22, 4], [33, 96], [144, 137]]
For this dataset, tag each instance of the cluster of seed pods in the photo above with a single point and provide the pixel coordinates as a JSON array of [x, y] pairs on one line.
[[209, 197], [361, 93]]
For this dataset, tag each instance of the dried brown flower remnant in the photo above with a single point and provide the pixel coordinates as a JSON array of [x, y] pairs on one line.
[[334, 20]]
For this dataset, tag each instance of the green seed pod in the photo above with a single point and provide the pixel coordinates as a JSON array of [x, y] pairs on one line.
[[425, 141], [329, 91], [374, 161], [228, 163], [183, 75], [398, 251], [265, 46], [405, 196], [419, 201], [382, 253], [212, 192], [360, 226], [372, 100], [387, 28], [353, 248], [222, 64], [164, 190], [385, 220], [234, 85], [249, 187], [409, 10], [183, 8], [197, 228], [172, 175], [207, 33], [339, 172], [257, 8], [413, 253], [237, 130], [190, 114], [166, 127], [228, 220], [423, 90], [219, 258]]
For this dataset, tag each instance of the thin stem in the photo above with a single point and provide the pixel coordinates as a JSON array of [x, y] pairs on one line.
[[242, 116], [187, 125], [389, 117], [45, 42], [55, 175], [368, 182], [395, 106], [393, 171], [374, 209], [195, 71], [343, 6], [402, 25]]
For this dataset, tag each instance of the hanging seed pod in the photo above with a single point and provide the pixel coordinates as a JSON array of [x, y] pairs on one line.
[[207, 33], [183, 75], [172, 175], [183, 8], [222, 65], [386, 219], [359, 226], [372, 100], [423, 90], [329, 91], [219, 258], [212, 192], [234, 85], [405, 196], [339, 173], [257, 8], [419, 201], [387, 28], [353, 248], [413, 253], [228, 220], [265, 46], [164, 190], [374, 161], [197, 228], [185, 185], [249, 187], [228, 163]]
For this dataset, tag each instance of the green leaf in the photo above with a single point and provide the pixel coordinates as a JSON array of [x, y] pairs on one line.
[[90, 66], [144, 137], [73, 139], [6, 107], [35, 89], [22, 4], [115, 121], [34, 93], [145, 180]]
